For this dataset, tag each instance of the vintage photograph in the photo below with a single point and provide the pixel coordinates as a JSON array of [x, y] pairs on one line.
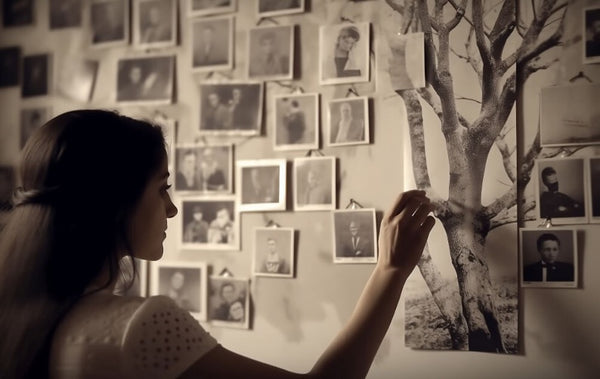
[[569, 115], [204, 168], [109, 22], [344, 53], [593, 200], [348, 121], [184, 282], [561, 190], [154, 23], [10, 66], [17, 13], [76, 79], [314, 183], [210, 7], [263, 184], [37, 74], [147, 80], [31, 119], [271, 52], [7, 186], [548, 257], [229, 302], [591, 34], [271, 8], [212, 44], [355, 236], [169, 128], [209, 223], [406, 63], [296, 122], [132, 283], [65, 13], [231, 109], [273, 252]]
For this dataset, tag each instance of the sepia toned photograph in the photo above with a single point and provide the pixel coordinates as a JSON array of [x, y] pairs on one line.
[[184, 282], [591, 34], [169, 129], [229, 302], [17, 13], [271, 52], [8, 183], [210, 7], [569, 115], [36, 75], [154, 23], [10, 66], [212, 44], [109, 22], [406, 63], [273, 252], [348, 121], [147, 80], [344, 53], [314, 183], [355, 236], [231, 109], [65, 13], [593, 200], [263, 184], [31, 119], [209, 223], [548, 257], [271, 8], [204, 168], [296, 122], [132, 282], [76, 79], [561, 190]]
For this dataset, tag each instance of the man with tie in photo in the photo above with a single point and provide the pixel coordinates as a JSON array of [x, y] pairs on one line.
[[548, 268]]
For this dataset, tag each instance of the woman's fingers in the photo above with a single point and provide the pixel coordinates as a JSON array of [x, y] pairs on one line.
[[401, 202]]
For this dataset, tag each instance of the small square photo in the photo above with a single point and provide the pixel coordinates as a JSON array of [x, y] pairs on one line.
[[209, 223], [147, 80], [65, 13], [212, 44], [154, 23], [109, 22], [17, 13], [344, 53], [348, 121], [355, 236], [271, 52], [204, 168], [296, 122], [314, 183], [591, 33], [10, 62], [210, 7], [36, 75], [229, 302], [270, 8], [274, 252], [263, 184]]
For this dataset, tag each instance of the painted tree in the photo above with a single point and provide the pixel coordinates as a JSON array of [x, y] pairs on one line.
[[473, 319]]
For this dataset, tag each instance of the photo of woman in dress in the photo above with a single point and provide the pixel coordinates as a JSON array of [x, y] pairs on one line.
[[346, 58]]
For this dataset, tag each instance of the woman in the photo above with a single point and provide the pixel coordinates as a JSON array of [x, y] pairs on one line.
[[94, 191], [343, 63]]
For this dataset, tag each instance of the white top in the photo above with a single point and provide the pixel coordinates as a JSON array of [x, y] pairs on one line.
[[108, 336]]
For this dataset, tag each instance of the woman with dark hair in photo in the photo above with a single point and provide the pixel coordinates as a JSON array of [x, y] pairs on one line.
[[94, 190], [343, 62]]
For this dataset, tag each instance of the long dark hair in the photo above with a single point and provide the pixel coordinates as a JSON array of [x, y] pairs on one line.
[[82, 175]]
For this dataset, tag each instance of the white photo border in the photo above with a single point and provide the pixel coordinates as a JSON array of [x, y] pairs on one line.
[[233, 324], [365, 30], [230, 166], [172, 63], [290, 258], [316, 207], [281, 205], [354, 260], [305, 146]]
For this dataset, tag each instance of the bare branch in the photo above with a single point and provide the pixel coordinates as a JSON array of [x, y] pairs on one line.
[[487, 80], [468, 99], [460, 12], [503, 28], [457, 7], [506, 154], [396, 6], [473, 58], [434, 102], [506, 201]]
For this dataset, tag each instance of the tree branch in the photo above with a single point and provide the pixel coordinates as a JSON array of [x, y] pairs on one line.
[[506, 201], [434, 102], [460, 12], [506, 153], [487, 84], [504, 26]]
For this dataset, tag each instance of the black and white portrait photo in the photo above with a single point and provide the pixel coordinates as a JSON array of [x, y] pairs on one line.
[[147, 80], [212, 44], [314, 183], [569, 115], [591, 33], [186, 283], [344, 53], [593, 200], [109, 22], [561, 190], [36, 75], [270, 52], [406, 62], [138, 277], [296, 122], [31, 119], [154, 23], [348, 121], [7, 186], [76, 79], [169, 129], [10, 66], [270, 8], [355, 236], [209, 223], [210, 7], [263, 184], [17, 13], [65, 13], [548, 257], [229, 302], [204, 168], [231, 109], [274, 252]]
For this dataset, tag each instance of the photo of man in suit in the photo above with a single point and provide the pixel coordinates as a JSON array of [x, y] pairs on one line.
[[260, 185], [211, 43], [548, 268], [553, 203], [359, 244], [347, 121], [354, 236], [215, 115]]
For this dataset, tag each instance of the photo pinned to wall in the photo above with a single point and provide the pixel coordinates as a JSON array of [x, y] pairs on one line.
[[17, 13], [569, 115], [406, 62], [348, 121], [231, 108], [65, 13], [210, 7], [271, 52], [296, 121], [314, 183], [204, 168], [146, 80], [263, 184], [272, 8], [8, 183], [229, 302], [154, 23], [548, 257], [209, 223], [31, 119], [37, 73], [212, 44], [344, 53], [10, 66], [184, 282], [132, 283], [169, 129], [591, 34], [76, 79], [109, 23], [273, 252], [561, 190], [355, 236], [593, 200]]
